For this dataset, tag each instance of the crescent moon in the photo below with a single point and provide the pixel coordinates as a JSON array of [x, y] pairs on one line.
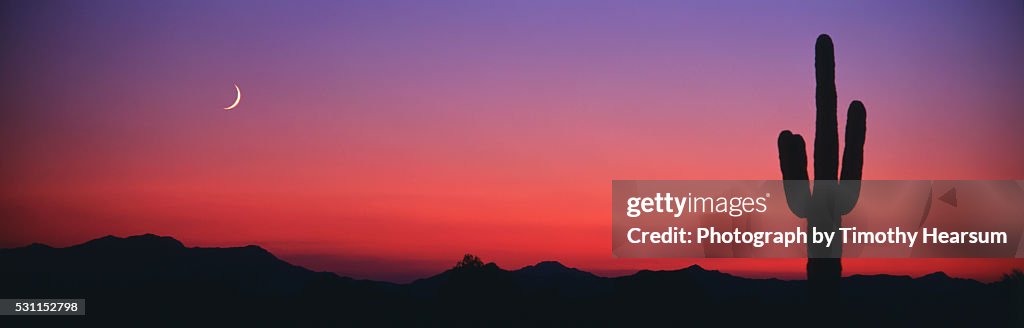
[[237, 98]]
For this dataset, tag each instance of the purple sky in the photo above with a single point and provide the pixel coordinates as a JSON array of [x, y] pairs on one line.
[[111, 118]]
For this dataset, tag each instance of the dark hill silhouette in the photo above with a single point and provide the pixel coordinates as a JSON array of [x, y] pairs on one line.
[[150, 258], [150, 280], [553, 269]]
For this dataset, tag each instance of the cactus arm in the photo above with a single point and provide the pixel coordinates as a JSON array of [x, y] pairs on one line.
[[853, 157], [826, 133], [793, 161]]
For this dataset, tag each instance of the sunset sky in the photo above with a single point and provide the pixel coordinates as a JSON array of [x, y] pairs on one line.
[[384, 139]]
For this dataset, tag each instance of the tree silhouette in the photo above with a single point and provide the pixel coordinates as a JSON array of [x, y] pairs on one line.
[[469, 261], [1013, 285], [831, 198]]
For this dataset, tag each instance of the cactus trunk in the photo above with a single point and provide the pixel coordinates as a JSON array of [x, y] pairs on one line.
[[835, 194]]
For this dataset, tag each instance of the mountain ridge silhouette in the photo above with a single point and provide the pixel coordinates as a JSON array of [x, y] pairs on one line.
[[151, 242], [149, 276]]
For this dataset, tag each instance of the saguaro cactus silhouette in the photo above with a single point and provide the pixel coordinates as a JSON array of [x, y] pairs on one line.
[[831, 198]]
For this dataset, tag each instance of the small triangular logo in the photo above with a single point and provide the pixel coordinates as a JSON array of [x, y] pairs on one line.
[[949, 197]]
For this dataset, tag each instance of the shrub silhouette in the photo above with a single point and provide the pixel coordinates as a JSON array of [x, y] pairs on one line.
[[1013, 286], [469, 261], [831, 198]]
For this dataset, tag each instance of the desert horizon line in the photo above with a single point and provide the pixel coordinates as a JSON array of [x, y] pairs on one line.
[[623, 273]]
